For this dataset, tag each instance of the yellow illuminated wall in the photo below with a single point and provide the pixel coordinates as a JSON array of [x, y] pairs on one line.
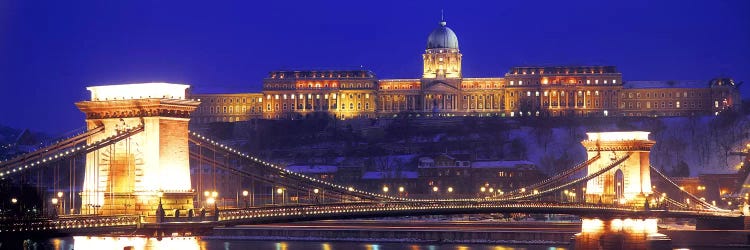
[[126, 177], [636, 178]]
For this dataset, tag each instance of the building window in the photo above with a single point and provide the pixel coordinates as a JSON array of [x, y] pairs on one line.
[[614, 81], [677, 104]]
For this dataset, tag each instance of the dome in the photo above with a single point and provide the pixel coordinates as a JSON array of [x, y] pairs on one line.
[[442, 38]]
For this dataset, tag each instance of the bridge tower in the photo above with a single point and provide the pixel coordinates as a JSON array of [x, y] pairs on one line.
[[630, 181], [135, 175]]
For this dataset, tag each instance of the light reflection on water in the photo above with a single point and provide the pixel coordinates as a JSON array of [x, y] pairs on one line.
[[196, 243]]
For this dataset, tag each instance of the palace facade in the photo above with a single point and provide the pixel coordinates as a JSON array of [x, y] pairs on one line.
[[443, 91]]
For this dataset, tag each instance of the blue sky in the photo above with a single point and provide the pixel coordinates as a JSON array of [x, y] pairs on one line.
[[51, 50]]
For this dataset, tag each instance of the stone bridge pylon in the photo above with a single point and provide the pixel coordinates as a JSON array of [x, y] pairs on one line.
[[626, 183], [149, 167]]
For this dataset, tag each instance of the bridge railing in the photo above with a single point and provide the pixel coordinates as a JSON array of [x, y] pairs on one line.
[[70, 223], [469, 207]]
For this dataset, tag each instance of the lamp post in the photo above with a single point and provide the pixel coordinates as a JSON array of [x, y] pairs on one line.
[[385, 189], [54, 207], [435, 189], [244, 196], [280, 191], [316, 191], [206, 195], [215, 196], [61, 209], [450, 189]]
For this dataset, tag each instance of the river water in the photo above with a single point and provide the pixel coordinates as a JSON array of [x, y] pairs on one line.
[[196, 243]]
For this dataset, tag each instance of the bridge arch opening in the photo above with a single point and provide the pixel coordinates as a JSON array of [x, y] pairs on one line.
[[619, 185]]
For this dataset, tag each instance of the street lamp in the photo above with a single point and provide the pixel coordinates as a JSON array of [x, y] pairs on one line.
[[450, 189], [316, 191], [13, 200], [482, 189], [385, 189], [244, 195], [280, 191], [435, 189], [400, 189], [62, 202]]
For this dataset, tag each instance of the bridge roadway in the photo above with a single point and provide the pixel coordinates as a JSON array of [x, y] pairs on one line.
[[140, 225]]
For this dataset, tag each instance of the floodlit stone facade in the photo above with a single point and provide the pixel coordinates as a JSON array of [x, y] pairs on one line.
[[582, 91]]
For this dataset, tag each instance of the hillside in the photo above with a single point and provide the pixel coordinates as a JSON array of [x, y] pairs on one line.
[[684, 145]]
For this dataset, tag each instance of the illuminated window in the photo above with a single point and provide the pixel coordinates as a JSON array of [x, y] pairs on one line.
[[545, 93], [716, 104], [511, 82], [677, 104], [284, 96], [367, 96], [528, 93], [588, 81], [537, 93], [596, 81], [614, 81], [605, 81], [276, 97], [520, 82]]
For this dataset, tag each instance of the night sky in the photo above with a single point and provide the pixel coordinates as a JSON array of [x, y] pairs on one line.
[[51, 50]]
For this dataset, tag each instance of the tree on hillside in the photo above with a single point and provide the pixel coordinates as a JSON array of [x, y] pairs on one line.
[[517, 149], [681, 170]]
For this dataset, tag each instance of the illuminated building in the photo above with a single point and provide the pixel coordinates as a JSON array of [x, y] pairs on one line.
[[465, 175], [581, 91]]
